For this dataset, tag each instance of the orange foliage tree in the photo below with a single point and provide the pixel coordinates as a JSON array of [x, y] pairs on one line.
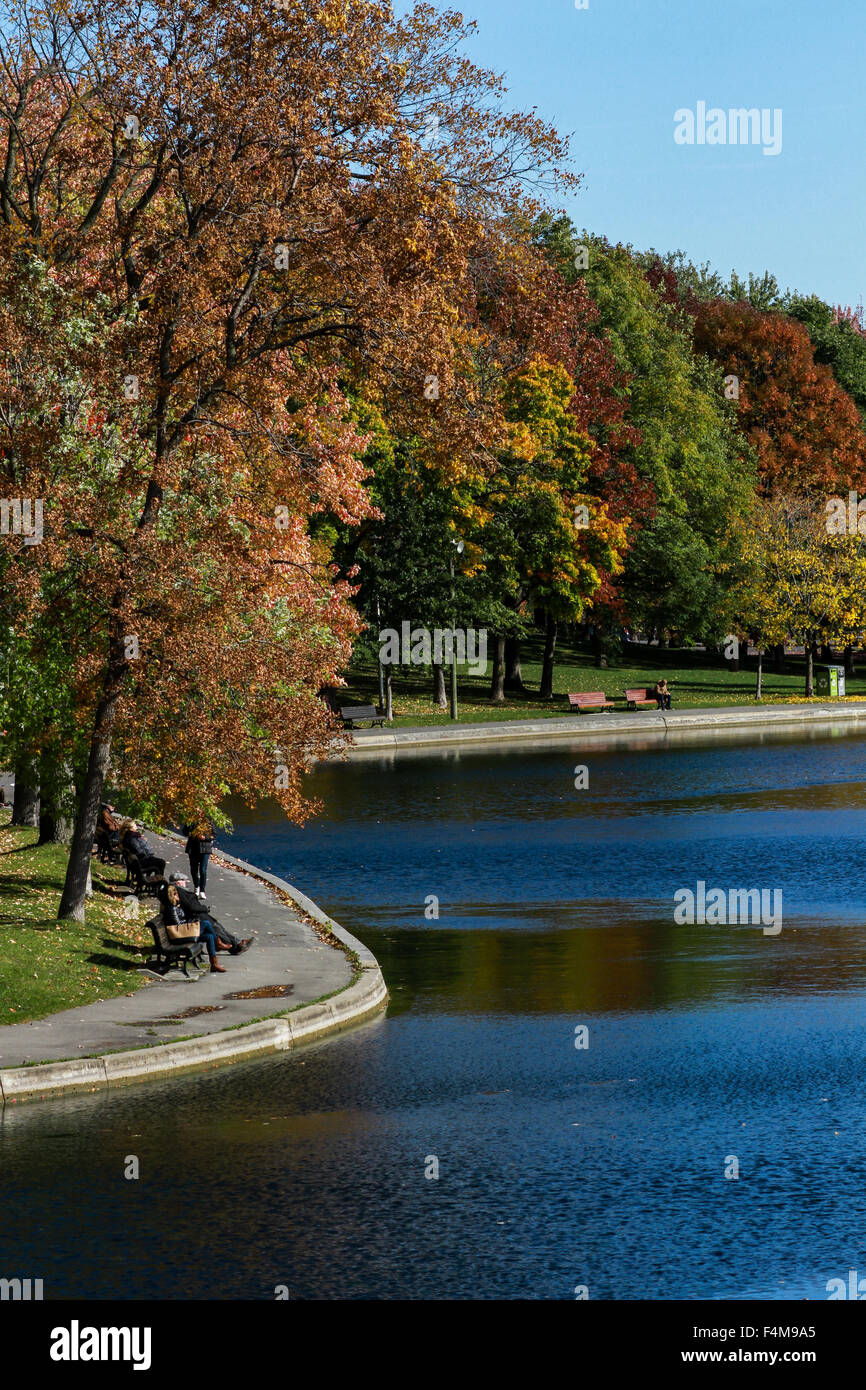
[[229, 214], [805, 429]]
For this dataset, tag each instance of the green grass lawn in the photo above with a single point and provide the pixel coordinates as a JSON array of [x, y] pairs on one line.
[[698, 680], [46, 965]]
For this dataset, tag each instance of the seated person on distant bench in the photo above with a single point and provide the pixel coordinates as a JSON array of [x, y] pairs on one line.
[[194, 910], [133, 842], [662, 694], [181, 928], [109, 823]]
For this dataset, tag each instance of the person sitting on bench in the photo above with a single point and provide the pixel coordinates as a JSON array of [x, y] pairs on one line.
[[109, 823], [662, 694], [181, 928], [196, 911], [133, 842]]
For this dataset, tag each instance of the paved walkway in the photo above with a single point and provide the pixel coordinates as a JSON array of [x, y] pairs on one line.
[[287, 952]]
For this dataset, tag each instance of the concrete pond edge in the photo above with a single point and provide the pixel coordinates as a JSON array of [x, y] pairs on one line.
[[576, 727], [367, 994]]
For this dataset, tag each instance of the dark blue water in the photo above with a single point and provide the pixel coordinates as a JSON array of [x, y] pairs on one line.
[[709, 1048]]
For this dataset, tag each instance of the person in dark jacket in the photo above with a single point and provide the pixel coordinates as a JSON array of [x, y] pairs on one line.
[[183, 928], [196, 911], [132, 840], [199, 847]]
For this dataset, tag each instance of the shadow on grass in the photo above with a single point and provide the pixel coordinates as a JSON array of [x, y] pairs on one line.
[[126, 946], [113, 962], [13, 888]]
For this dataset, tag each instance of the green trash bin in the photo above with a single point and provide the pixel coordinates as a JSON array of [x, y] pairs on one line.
[[830, 680]]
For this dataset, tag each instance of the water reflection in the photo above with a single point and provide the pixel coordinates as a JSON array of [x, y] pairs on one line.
[[558, 1166]]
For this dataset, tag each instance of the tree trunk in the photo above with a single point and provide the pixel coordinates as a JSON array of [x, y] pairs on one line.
[[58, 800], [779, 658], [826, 652], [389, 697], [75, 889], [513, 676], [547, 665], [25, 807], [598, 648], [759, 675], [810, 688], [849, 663], [440, 695], [497, 680]]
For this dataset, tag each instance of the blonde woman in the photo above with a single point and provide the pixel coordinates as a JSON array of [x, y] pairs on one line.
[[180, 928]]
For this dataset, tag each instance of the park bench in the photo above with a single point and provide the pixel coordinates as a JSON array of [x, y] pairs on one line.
[[638, 699], [355, 714], [142, 884], [168, 953], [588, 700]]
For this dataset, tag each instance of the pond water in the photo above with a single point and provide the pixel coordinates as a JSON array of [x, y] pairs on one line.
[[710, 1049]]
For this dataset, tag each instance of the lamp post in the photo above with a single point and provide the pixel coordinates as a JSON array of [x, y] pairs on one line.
[[458, 547], [379, 661]]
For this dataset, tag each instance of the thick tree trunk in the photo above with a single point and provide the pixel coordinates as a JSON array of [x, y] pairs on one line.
[[440, 694], [810, 658], [513, 675], [550, 632], [849, 663], [75, 889], [826, 652], [497, 679], [58, 800], [598, 648], [759, 675], [779, 658], [25, 807]]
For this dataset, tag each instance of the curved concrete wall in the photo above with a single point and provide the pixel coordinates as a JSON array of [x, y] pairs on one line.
[[366, 996]]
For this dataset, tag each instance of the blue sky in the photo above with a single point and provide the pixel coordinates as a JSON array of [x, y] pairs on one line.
[[613, 75]]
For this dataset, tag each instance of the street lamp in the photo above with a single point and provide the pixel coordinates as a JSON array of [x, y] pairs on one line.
[[458, 547]]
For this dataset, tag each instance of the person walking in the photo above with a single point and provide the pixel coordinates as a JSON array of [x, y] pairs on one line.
[[199, 847]]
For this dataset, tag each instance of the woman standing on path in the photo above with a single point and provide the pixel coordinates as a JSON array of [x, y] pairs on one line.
[[199, 847]]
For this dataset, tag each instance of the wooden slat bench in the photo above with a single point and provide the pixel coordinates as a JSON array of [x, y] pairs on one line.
[[168, 953], [638, 699], [356, 714], [143, 885], [589, 700]]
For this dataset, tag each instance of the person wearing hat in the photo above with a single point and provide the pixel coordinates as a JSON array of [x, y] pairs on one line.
[[182, 928], [109, 823], [195, 910]]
